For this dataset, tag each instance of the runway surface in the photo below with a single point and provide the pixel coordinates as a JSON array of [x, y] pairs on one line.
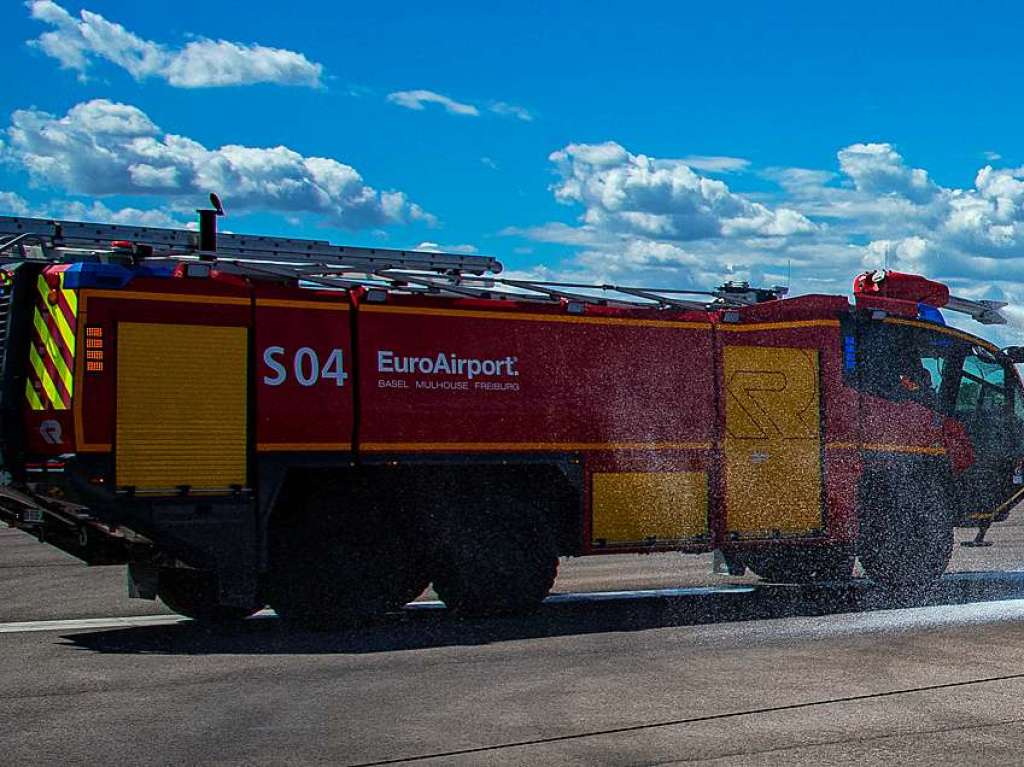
[[635, 660]]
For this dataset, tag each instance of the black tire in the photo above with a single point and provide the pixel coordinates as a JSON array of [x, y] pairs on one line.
[[329, 572], [501, 559], [194, 594], [906, 528], [801, 565]]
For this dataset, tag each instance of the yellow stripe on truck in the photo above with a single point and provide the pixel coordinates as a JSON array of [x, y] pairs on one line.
[[48, 386], [33, 399], [53, 351], [58, 316], [69, 296], [51, 377]]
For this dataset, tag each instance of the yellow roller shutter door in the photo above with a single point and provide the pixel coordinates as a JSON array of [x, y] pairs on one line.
[[181, 406], [638, 508], [773, 465]]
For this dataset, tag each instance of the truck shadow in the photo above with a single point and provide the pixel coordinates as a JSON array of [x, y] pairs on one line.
[[429, 626]]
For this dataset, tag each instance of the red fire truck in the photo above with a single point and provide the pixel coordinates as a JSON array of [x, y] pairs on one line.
[[250, 420]]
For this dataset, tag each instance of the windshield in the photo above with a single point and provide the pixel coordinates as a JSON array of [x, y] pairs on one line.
[[982, 384]]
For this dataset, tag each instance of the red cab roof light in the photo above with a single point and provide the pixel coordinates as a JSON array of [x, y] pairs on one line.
[[905, 287]]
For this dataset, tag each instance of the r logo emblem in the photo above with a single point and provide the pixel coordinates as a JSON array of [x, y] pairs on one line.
[[51, 432]]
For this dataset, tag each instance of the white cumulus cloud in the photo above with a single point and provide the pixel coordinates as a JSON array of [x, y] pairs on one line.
[[77, 210], [104, 148], [202, 63], [13, 204], [659, 222], [638, 195], [880, 169]]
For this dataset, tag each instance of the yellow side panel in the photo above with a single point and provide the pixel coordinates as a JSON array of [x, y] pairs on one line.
[[181, 405], [635, 507], [772, 440]]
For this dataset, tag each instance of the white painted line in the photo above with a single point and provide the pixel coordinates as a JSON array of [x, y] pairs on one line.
[[892, 621], [607, 596], [89, 623], [604, 596], [103, 623]]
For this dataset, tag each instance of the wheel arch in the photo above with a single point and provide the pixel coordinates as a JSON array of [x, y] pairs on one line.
[[418, 489], [898, 471]]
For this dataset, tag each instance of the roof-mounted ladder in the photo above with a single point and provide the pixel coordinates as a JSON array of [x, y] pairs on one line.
[[56, 235], [320, 263]]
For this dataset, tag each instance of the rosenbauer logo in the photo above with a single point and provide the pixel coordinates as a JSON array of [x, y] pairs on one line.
[[446, 364]]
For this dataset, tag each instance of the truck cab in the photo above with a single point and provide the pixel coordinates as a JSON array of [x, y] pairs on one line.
[[970, 385]]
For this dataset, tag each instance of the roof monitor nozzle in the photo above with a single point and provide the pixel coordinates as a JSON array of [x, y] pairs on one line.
[[741, 292], [208, 227]]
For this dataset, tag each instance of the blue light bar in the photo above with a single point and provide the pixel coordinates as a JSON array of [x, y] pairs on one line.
[[97, 275], [930, 314]]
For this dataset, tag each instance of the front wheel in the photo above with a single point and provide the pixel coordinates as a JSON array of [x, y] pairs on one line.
[[906, 530]]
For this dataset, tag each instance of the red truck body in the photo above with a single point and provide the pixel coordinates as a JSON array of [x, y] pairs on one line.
[[172, 415]]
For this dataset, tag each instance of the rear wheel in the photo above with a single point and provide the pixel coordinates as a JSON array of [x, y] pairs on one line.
[[497, 560], [906, 529], [329, 570], [195, 594]]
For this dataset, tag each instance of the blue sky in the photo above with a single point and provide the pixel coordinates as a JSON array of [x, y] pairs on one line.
[[663, 143]]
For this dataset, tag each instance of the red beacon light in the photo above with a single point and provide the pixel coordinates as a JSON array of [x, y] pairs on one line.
[[913, 294], [903, 287], [135, 250]]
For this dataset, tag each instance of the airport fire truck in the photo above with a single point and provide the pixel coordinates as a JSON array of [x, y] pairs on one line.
[[246, 420]]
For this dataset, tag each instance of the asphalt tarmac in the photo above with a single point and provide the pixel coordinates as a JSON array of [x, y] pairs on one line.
[[636, 660]]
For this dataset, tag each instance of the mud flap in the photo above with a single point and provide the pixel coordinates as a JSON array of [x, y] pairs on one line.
[[142, 579]]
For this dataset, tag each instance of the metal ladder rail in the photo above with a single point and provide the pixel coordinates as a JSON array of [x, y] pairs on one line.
[[460, 286], [54, 233]]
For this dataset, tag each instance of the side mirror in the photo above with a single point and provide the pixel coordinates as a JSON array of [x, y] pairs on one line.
[[1015, 353]]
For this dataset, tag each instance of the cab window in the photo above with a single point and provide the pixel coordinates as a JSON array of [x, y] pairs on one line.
[[935, 367], [982, 384], [901, 362]]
